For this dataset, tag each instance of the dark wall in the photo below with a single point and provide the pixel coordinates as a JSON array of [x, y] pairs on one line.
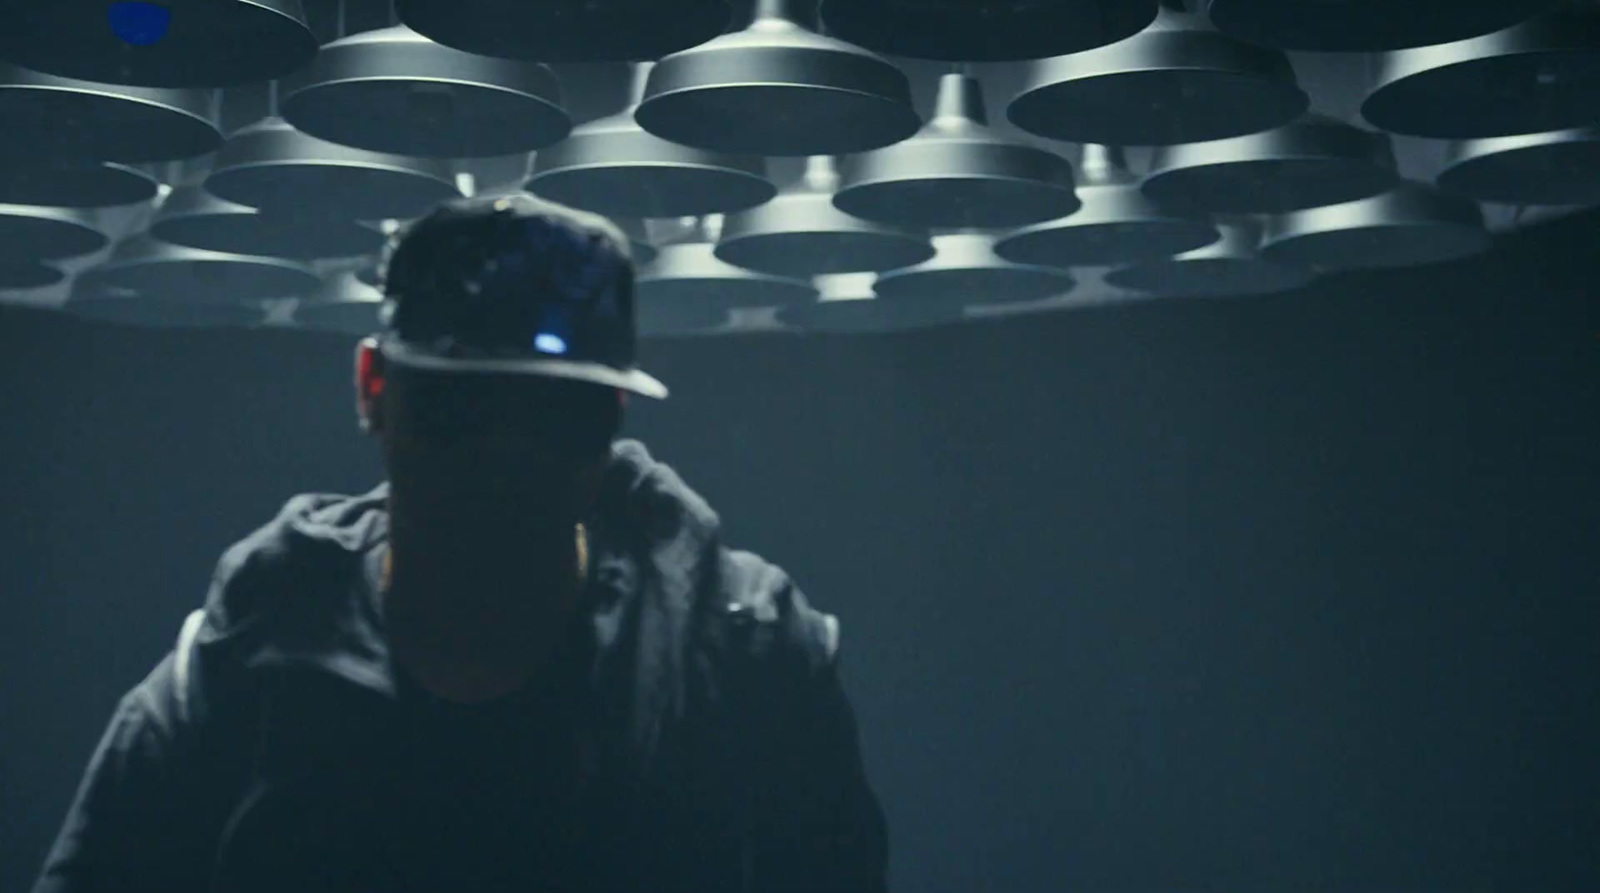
[[1294, 593]]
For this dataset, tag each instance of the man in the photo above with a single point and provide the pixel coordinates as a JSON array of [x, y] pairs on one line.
[[526, 662]]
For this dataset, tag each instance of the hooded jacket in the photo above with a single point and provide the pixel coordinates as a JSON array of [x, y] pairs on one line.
[[696, 738]]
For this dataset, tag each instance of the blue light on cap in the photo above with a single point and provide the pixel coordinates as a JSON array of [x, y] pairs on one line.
[[549, 343], [139, 24]]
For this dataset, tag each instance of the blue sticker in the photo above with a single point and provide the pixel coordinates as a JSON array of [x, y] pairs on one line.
[[139, 24]]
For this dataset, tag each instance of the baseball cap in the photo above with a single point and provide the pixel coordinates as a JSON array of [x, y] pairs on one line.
[[513, 284]]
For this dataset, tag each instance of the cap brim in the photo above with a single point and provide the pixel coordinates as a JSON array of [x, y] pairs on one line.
[[634, 381]]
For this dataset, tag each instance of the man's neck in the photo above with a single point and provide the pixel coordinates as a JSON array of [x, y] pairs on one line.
[[470, 634]]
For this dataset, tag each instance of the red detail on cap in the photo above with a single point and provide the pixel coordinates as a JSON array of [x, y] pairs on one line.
[[373, 383]]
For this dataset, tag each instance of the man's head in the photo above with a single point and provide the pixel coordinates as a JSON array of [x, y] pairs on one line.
[[500, 378]]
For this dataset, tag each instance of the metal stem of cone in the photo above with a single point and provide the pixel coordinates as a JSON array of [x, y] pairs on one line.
[[1366, 26], [33, 233], [74, 184], [394, 90], [148, 267], [1230, 266], [62, 119], [686, 288], [985, 31], [192, 217], [217, 43], [966, 271], [271, 166], [1118, 224], [613, 166], [343, 304], [1316, 160], [1538, 76], [800, 233], [847, 304], [1178, 81], [777, 88], [957, 173], [1411, 225], [1557, 168], [566, 31]]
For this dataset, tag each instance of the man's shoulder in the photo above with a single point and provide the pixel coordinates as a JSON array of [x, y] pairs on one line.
[[761, 597]]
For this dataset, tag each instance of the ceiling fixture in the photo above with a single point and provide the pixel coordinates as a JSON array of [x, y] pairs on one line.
[[687, 289], [1118, 224], [393, 90], [344, 304], [151, 268], [800, 233], [1557, 168], [1178, 81], [271, 166], [1230, 266], [847, 304], [122, 307], [216, 43], [1534, 77], [28, 274], [1316, 160], [33, 233], [965, 271], [1411, 225], [1366, 26], [74, 184], [195, 218], [985, 30], [957, 173], [568, 30], [778, 88], [70, 120], [613, 166]]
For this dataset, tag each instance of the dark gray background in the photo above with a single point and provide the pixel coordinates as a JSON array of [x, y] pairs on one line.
[[1293, 593]]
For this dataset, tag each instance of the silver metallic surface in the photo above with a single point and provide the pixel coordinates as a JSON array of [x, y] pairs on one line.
[[271, 166], [193, 217], [28, 274], [613, 166], [1362, 26], [966, 271], [801, 234], [1177, 81], [69, 184], [1537, 76], [33, 233], [847, 304], [343, 304], [1118, 224], [567, 31], [1411, 225], [216, 43], [778, 88], [62, 119], [154, 269], [1228, 267], [1315, 160], [985, 30], [393, 90], [1557, 168], [957, 173]]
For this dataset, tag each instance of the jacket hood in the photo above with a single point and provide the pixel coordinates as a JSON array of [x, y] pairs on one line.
[[298, 589]]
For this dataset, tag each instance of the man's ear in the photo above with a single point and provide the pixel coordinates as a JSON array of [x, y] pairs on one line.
[[370, 380]]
